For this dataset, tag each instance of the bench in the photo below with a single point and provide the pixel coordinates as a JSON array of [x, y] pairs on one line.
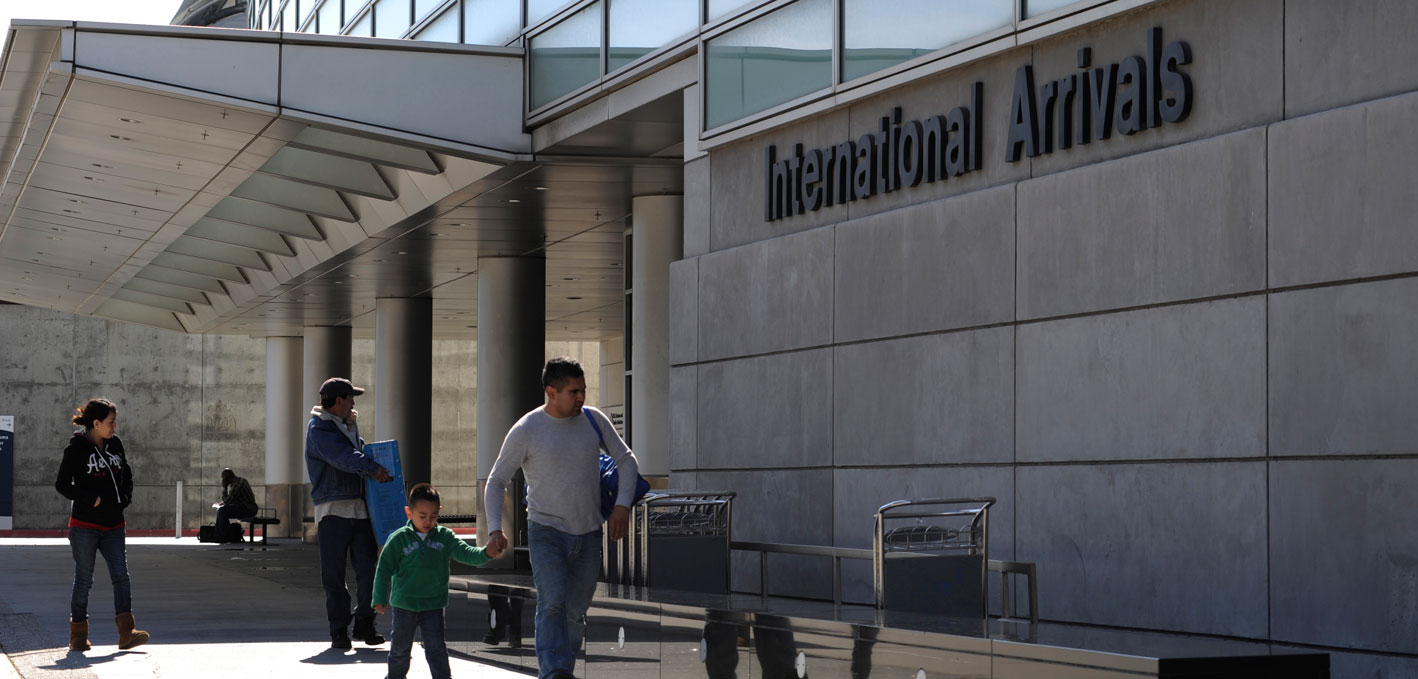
[[263, 518]]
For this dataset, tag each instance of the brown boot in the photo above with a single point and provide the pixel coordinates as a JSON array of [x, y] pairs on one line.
[[79, 635], [127, 636]]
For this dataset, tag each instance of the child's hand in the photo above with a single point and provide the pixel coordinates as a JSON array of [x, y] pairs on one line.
[[493, 550], [380, 608]]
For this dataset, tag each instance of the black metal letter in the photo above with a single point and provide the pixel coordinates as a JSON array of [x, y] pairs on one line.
[[1023, 117], [770, 158], [1177, 107], [933, 147], [812, 180], [1101, 91], [956, 157], [864, 172], [1133, 98], [908, 154]]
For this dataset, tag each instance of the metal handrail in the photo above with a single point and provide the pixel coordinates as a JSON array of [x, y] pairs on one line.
[[835, 553]]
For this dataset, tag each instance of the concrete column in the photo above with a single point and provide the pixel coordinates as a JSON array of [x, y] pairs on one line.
[[328, 352], [511, 354], [403, 375], [658, 233], [285, 433]]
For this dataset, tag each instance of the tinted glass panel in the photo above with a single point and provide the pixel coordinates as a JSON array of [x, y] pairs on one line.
[[288, 17], [442, 29], [330, 20], [541, 9], [1037, 7], [718, 8], [307, 8], [422, 8], [566, 56], [877, 36], [491, 22], [639, 27], [774, 59], [391, 18]]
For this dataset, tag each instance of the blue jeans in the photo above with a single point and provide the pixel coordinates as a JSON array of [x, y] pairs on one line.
[[85, 542], [435, 648], [341, 538], [564, 568]]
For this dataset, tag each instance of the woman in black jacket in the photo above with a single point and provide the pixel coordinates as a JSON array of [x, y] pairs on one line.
[[95, 474]]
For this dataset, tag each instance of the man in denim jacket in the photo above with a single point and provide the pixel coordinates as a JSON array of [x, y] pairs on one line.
[[334, 458]]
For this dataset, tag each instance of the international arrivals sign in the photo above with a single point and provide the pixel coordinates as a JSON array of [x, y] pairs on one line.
[[1091, 104]]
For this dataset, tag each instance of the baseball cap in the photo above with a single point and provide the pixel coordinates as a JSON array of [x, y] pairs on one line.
[[339, 386]]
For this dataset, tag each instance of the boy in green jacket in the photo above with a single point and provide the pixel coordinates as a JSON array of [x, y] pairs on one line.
[[416, 559]]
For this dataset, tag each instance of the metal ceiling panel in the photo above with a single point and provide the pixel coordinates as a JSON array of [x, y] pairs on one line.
[[145, 102], [169, 290], [263, 216], [184, 279], [360, 148], [329, 171], [240, 234], [294, 196], [113, 188], [219, 252], [155, 301], [123, 218], [203, 267], [121, 310]]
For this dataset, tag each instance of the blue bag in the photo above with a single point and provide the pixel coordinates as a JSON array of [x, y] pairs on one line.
[[610, 476]]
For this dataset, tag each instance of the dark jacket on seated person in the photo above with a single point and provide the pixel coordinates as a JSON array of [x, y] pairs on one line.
[[239, 498]]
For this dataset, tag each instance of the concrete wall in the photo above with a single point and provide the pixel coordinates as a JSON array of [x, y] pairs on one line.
[[1180, 359], [190, 405]]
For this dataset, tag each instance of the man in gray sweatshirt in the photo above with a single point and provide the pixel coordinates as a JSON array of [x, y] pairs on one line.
[[557, 448]]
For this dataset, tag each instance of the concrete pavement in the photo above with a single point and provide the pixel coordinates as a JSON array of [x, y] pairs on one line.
[[215, 612]]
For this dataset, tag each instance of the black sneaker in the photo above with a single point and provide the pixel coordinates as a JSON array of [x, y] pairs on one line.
[[340, 639], [364, 631]]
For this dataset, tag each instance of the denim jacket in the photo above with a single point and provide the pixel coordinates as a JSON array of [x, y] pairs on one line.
[[333, 458]]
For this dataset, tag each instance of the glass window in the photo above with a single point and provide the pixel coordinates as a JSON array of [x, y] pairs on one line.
[[773, 59], [541, 9], [491, 22], [288, 16], [1033, 8], [874, 39], [442, 29], [330, 20], [391, 18], [363, 28], [423, 8], [307, 8], [639, 27], [718, 8], [566, 56]]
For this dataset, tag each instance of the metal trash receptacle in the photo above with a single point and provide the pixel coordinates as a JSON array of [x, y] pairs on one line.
[[684, 540], [931, 556]]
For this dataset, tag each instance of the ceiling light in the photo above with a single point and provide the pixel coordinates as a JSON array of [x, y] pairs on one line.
[[541, 188], [513, 200], [402, 252]]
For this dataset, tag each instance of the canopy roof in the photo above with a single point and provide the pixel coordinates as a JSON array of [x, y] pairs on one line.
[[208, 180]]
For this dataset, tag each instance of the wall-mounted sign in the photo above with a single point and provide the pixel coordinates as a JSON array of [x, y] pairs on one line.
[[896, 156], [7, 470], [1135, 94]]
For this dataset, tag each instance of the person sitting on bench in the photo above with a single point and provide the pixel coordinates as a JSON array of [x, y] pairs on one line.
[[238, 502]]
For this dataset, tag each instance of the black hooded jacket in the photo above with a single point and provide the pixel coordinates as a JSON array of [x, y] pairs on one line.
[[87, 473]]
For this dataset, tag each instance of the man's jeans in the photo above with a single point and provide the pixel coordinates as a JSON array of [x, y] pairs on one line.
[[435, 649], [341, 537], [85, 542], [564, 568]]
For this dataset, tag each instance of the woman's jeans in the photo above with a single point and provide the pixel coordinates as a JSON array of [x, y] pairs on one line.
[[564, 568], [435, 648], [86, 542]]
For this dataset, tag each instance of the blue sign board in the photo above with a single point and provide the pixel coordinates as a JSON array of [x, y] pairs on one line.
[[7, 467], [385, 500]]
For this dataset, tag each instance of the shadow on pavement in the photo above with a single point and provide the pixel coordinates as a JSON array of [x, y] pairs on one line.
[[359, 656], [76, 660]]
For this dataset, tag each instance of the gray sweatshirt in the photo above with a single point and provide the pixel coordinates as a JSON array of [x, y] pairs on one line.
[[561, 460]]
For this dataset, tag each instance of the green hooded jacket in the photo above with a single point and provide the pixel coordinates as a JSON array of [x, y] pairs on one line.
[[419, 568]]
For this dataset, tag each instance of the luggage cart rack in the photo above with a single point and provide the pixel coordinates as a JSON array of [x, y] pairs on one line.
[[945, 542]]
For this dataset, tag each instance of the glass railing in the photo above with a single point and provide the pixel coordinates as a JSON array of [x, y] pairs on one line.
[[757, 54]]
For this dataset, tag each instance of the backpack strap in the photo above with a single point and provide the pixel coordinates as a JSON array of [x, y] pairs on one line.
[[592, 419]]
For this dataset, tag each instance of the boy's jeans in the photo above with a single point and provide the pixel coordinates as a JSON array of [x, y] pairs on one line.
[[564, 568], [85, 543], [435, 649]]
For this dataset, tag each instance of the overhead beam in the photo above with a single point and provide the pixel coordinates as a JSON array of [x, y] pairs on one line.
[[168, 290], [246, 236], [379, 152], [203, 267], [294, 196], [219, 252], [329, 171], [155, 301], [263, 216], [184, 279]]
